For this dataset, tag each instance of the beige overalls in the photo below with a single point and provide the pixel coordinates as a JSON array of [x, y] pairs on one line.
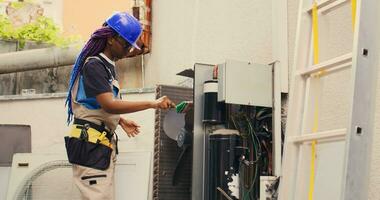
[[95, 184]]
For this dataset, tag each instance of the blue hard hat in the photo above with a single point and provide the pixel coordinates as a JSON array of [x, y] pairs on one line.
[[126, 26]]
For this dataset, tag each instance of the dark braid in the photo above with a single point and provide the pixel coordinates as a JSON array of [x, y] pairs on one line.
[[94, 46]]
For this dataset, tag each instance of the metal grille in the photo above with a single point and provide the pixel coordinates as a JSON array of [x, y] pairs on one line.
[[166, 153]]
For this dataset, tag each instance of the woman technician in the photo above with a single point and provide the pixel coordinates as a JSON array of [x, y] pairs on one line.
[[95, 103]]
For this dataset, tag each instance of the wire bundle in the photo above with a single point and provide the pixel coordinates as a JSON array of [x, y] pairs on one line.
[[254, 124]]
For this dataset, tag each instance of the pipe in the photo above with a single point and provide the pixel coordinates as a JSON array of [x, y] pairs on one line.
[[37, 59], [147, 33], [146, 21]]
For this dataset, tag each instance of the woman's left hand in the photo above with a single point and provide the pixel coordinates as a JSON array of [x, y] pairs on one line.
[[130, 127]]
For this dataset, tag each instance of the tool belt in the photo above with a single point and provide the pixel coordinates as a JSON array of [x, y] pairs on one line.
[[89, 145], [91, 132]]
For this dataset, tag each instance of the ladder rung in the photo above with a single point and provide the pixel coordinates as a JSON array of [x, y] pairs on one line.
[[338, 62], [332, 134], [326, 5]]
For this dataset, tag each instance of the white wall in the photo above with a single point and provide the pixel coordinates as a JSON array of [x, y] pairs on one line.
[[53, 9], [209, 31], [47, 118], [374, 186], [206, 31], [334, 40], [335, 102]]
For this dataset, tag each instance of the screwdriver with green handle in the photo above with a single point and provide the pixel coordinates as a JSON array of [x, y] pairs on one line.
[[183, 107]]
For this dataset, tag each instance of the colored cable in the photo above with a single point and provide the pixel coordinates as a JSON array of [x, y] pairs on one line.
[[316, 109]]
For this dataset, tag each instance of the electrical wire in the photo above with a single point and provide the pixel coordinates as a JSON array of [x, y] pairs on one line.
[[224, 193], [257, 150], [245, 193], [243, 123]]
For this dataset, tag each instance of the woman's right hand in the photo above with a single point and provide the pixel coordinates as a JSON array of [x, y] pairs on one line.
[[163, 103]]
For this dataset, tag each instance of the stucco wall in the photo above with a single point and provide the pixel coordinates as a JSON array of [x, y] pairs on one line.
[[83, 17], [47, 118], [337, 40], [207, 31], [374, 183]]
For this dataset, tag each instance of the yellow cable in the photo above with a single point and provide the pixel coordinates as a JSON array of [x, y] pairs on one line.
[[317, 76], [353, 10], [315, 32], [316, 111]]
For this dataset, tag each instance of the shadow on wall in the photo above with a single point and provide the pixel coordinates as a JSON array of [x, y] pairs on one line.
[[55, 80]]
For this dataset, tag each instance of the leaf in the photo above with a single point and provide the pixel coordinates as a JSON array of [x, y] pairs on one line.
[[17, 5], [43, 30]]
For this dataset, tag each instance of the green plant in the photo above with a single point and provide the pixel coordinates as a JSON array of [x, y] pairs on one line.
[[43, 30], [17, 5], [6, 28]]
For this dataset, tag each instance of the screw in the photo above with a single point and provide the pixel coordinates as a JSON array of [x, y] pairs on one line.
[[365, 52], [358, 130]]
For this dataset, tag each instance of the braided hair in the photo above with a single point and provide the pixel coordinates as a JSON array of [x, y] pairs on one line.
[[94, 46]]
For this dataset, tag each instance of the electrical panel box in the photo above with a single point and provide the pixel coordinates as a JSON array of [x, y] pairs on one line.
[[245, 83]]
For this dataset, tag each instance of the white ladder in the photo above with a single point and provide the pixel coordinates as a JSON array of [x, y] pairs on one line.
[[355, 140]]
